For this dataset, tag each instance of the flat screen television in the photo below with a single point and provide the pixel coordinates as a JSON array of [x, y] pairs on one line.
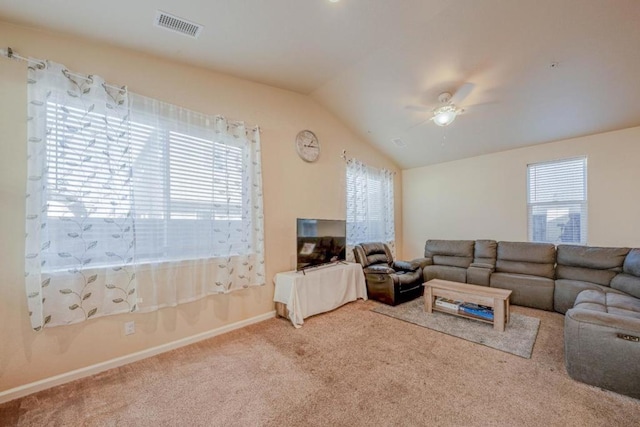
[[320, 241]]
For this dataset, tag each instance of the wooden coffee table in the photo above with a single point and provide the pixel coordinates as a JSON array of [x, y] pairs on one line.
[[496, 298]]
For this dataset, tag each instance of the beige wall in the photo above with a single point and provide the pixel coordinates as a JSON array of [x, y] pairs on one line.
[[292, 188], [486, 196]]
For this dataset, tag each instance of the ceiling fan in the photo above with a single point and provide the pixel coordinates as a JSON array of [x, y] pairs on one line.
[[448, 110]]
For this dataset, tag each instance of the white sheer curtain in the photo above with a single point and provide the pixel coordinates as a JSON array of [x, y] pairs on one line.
[[78, 208], [370, 206], [198, 198], [134, 204]]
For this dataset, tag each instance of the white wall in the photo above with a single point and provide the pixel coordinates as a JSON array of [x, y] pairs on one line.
[[486, 196]]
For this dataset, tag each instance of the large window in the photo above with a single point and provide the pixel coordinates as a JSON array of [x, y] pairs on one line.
[[185, 197], [557, 201], [132, 203]]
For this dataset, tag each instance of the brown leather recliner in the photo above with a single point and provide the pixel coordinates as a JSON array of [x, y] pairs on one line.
[[388, 281]]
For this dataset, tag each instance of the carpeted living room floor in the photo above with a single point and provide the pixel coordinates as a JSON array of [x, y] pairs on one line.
[[349, 367]]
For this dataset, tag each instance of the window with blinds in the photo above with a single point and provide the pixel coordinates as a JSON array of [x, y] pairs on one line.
[[557, 201], [367, 204], [185, 192]]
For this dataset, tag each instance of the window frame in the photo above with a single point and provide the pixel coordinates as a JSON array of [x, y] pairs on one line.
[[561, 204]]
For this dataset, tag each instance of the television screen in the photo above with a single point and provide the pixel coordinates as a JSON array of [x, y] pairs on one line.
[[320, 241]]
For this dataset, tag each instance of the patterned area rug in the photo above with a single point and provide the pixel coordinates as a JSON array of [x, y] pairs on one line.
[[518, 337]]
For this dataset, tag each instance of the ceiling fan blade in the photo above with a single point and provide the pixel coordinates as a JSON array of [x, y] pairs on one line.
[[421, 122], [462, 92], [480, 105]]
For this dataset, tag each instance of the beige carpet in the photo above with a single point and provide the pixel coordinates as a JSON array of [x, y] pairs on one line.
[[350, 367], [518, 337]]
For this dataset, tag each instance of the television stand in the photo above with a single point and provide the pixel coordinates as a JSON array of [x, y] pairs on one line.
[[298, 296]]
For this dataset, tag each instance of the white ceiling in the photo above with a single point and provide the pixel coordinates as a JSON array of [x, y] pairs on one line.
[[379, 65]]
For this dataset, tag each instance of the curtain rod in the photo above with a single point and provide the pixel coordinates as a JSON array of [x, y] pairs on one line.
[[42, 64], [348, 160]]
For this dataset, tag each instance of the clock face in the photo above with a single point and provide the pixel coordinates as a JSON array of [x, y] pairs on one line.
[[308, 146]]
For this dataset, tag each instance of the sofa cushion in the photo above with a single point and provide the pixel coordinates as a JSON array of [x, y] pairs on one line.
[[566, 291], [444, 272], [609, 302], [591, 256], [600, 277], [461, 248], [589, 263], [632, 263], [485, 251], [453, 261], [627, 283], [527, 268], [529, 291], [536, 259]]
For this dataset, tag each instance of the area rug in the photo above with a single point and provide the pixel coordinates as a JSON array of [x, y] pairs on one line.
[[518, 337]]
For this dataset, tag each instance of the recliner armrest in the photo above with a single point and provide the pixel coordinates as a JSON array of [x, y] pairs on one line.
[[406, 265], [379, 269]]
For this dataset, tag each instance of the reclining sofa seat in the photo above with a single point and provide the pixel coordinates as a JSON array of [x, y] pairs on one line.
[[602, 333], [584, 267], [388, 281], [464, 261], [527, 269], [448, 259]]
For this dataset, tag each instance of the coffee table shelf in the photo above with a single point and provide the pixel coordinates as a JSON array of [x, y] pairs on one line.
[[461, 314], [496, 298]]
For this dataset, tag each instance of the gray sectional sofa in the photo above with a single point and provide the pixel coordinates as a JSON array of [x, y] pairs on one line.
[[598, 290]]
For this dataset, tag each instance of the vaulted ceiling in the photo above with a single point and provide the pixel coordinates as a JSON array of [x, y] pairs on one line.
[[532, 71]]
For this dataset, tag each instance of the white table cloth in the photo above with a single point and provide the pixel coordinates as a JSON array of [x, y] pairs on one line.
[[319, 290]]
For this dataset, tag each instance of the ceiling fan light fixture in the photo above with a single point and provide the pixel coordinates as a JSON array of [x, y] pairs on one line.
[[445, 115]]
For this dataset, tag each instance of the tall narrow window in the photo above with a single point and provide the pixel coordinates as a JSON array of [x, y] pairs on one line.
[[370, 216], [557, 202]]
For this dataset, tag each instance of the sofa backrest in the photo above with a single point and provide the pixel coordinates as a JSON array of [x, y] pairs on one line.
[[455, 253], [485, 252], [629, 280], [536, 259], [589, 263]]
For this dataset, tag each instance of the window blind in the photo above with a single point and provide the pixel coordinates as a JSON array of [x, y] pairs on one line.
[[187, 187], [369, 204], [557, 201]]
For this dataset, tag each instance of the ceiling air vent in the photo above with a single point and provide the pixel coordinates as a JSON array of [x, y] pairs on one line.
[[179, 25]]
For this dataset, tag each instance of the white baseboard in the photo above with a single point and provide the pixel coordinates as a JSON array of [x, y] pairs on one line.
[[46, 383]]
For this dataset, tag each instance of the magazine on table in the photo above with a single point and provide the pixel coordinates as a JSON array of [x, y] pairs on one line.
[[477, 310]]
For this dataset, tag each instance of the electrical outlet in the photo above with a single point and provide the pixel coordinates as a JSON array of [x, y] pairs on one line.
[[130, 328]]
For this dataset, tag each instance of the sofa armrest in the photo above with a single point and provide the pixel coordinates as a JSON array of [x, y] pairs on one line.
[[482, 265], [423, 262], [479, 274], [378, 269]]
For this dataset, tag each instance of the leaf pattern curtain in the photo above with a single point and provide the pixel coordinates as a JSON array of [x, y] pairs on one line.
[[199, 218], [79, 215], [370, 206], [133, 204]]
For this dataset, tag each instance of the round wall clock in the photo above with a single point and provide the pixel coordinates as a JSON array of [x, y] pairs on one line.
[[308, 146]]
